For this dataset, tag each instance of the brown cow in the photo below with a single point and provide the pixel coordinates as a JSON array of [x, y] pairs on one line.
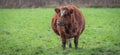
[[68, 22]]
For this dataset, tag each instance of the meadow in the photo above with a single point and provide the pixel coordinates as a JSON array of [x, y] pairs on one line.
[[29, 32]]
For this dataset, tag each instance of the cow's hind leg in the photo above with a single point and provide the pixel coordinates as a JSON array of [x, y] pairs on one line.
[[76, 41], [70, 45]]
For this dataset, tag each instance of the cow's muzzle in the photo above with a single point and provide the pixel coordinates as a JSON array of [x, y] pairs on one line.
[[60, 23]]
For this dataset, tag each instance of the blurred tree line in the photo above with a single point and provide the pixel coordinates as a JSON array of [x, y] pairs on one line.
[[54, 3]]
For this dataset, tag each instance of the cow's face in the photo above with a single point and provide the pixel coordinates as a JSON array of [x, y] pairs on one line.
[[64, 15]]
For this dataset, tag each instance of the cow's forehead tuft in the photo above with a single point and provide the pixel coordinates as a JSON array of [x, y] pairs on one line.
[[62, 12]]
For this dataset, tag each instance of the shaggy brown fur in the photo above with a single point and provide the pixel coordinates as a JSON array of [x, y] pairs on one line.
[[68, 22]]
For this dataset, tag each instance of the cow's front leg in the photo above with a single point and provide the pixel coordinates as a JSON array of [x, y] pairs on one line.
[[62, 34], [63, 43]]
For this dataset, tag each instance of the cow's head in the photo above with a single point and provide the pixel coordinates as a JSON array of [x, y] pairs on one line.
[[64, 15]]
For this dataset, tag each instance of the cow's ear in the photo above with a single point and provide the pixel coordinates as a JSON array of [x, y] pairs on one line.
[[57, 10]]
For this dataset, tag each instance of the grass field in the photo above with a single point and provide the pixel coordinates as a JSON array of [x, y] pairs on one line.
[[29, 32]]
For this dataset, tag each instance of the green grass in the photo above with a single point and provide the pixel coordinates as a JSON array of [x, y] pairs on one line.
[[29, 32]]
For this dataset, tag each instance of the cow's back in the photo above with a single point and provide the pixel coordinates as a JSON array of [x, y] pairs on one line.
[[79, 18], [53, 23]]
